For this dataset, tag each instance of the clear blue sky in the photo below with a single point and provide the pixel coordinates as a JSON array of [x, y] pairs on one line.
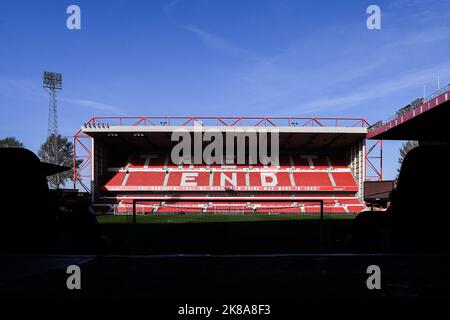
[[218, 57]]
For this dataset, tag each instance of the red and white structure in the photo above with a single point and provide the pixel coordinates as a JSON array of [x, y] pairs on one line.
[[320, 158], [424, 122]]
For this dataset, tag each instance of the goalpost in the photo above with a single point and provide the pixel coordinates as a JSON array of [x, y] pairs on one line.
[[138, 206]]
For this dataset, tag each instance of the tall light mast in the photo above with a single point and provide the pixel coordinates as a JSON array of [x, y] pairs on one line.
[[52, 81]]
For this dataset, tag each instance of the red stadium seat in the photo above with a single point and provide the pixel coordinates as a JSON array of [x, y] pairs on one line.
[[344, 179], [327, 177]]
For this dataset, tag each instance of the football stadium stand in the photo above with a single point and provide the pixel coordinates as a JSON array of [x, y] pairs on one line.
[[130, 158]]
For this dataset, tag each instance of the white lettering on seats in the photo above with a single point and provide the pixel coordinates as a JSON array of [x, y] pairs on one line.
[[224, 178], [269, 175], [188, 179]]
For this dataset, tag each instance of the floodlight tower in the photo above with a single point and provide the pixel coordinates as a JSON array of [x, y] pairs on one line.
[[52, 81]]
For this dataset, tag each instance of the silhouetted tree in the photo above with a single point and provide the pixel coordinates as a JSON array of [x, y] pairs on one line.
[[10, 142], [406, 146], [58, 150]]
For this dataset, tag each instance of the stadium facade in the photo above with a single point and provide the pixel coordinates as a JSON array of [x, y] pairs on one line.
[[128, 158]]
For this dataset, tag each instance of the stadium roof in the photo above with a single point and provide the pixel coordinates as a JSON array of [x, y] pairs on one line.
[[159, 136], [225, 121], [426, 121]]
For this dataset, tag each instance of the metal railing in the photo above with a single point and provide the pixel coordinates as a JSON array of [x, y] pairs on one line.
[[394, 116]]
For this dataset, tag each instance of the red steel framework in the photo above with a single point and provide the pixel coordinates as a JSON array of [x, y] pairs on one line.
[[82, 143]]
